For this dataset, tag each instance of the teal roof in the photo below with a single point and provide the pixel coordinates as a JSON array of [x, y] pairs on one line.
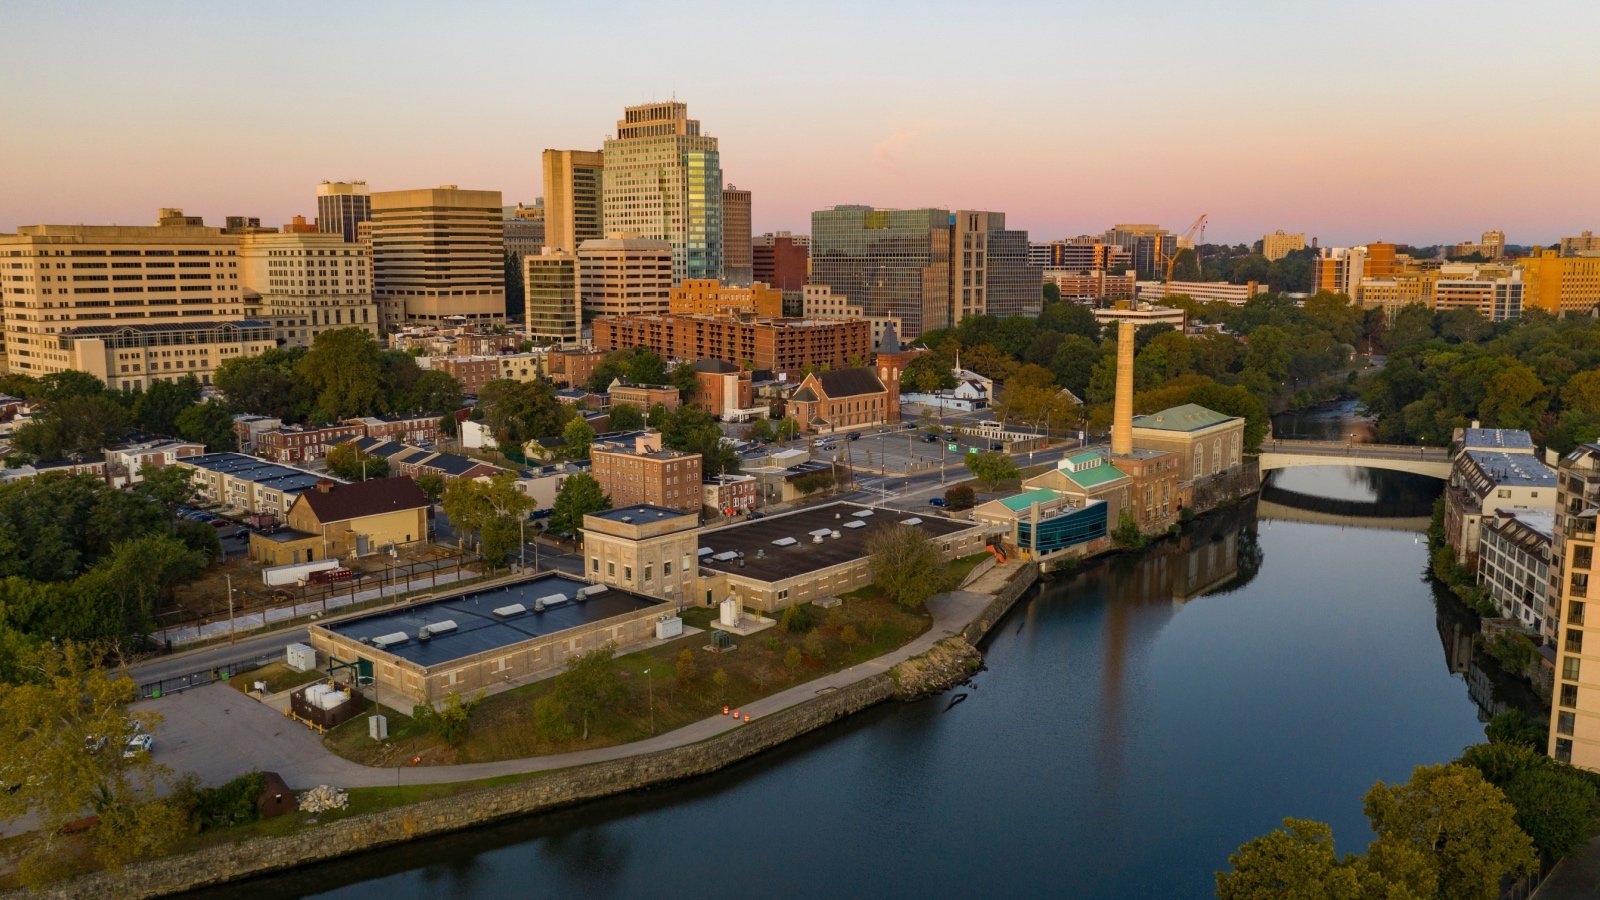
[[1085, 456], [1020, 502], [1104, 473], [1188, 417]]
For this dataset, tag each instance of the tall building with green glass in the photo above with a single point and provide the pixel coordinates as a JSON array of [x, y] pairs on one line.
[[662, 179]]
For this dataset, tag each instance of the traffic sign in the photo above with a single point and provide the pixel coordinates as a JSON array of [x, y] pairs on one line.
[[955, 448]]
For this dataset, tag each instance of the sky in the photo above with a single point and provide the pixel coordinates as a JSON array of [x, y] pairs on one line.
[[1414, 122]]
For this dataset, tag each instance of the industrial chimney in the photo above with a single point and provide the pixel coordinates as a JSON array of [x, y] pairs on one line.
[[1122, 421]]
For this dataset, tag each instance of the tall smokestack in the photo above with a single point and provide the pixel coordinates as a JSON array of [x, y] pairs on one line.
[[1122, 423]]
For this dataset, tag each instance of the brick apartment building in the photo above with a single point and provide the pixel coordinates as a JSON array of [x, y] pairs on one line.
[[722, 389], [645, 396], [779, 345], [634, 471]]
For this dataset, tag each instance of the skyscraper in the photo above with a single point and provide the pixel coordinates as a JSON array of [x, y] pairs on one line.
[[572, 204], [663, 179], [890, 262], [342, 206], [990, 273], [624, 277], [550, 284], [438, 253], [1150, 246], [737, 265]]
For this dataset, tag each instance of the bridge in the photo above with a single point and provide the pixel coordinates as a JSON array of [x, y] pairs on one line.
[[1433, 462]]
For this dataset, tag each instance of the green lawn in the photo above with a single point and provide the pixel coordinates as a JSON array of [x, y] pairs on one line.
[[278, 677]]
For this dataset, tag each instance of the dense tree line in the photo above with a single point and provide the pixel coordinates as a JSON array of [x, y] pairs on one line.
[[343, 374]]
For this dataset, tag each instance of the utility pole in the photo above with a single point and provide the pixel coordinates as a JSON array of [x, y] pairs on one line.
[[230, 609], [522, 542], [650, 685]]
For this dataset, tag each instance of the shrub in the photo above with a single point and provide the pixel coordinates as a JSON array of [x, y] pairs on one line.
[[797, 619]]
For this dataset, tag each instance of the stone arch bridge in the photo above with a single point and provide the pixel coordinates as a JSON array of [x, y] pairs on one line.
[[1433, 462]]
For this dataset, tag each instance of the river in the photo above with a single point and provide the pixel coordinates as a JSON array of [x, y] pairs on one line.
[[1137, 721]]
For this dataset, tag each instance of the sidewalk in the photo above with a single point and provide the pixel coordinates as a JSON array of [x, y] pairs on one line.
[[1575, 877], [218, 732]]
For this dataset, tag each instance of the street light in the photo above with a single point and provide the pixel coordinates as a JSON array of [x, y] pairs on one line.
[[650, 685]]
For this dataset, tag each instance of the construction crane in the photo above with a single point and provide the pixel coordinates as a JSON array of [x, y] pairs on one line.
[[1186, 242]]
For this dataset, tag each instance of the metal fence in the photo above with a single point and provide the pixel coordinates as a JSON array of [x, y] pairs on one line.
[[179, 683]]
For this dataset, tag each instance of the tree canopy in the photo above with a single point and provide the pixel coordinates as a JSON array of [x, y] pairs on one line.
[[578, 496], [906, 566]]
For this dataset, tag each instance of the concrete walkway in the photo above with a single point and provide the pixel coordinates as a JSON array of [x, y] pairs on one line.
[[1574, 878], [217, 732]]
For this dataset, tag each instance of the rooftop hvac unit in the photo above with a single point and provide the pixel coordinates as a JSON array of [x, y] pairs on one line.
[[725, 556], [862, 513], [820, 532], [785, 542], [590, 590], [816, 539], [549, 600], [385, 641], [703, 552], [440, 627], [761, 553], [855, 523], [834, 535], [506, 612], [914, 520]]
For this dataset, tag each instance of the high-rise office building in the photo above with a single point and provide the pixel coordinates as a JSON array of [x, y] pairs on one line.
[[737, 264], [663, 180], [550, 285], [304, 284], [131, 305], [1277, 245], [341, 208], [524, 229], [624, 277], [572, 198], [438, 253], [891, 262], [990, 273], [1575, 700], [781, 259], [1562, 285], [1585, 244], [1150, 247]]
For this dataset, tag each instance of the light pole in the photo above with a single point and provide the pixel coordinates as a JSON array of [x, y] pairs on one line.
[[230, 610], [650, 685], [522, 542]]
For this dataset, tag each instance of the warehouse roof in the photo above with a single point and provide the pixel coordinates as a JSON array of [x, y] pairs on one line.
[[785, 546]]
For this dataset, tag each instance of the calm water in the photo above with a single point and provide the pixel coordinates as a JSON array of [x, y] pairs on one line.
[[1136, 723]]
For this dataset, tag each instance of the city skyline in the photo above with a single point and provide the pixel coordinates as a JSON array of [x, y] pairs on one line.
[[1259, 115]]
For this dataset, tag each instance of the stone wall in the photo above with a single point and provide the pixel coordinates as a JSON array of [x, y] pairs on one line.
[[1024, 578], [261, 856]]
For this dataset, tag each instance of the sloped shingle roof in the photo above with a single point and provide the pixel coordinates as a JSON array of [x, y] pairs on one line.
[[342, 502]]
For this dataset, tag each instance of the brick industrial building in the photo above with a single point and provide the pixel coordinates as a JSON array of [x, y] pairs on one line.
[[779, 345]]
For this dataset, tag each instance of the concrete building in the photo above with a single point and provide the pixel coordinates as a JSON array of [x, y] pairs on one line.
[[1277, 245], [738, 266], [730, 495], [1093, 284], [305, 284], [1575, 703], [1514, 565], [1042, 522], [573, 210], [438, 254], [778, 345], [1585, 244], [1149, 247], [1496, 469], [424, 652], [1492, 245], [663, 180], [1495, 292], [1339, 270], [246, 485], [128, 304], [990, 273], [523, 230], [624, 277], [1561, 285], [341, 208], [1087, 252], [645, 548], [818, 301], [1201, 291], [781, 259], [1209, 444], [550, 288], [126, 461], [710, 297], [638, 471]]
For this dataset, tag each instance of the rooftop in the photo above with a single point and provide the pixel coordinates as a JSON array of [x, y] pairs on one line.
[[1513, 469], [1188, 417], [342, 502], [1020, 502], [258, 471], [479, 629], [1496, 439], [1094, 476], [785, 546], [639, 513]]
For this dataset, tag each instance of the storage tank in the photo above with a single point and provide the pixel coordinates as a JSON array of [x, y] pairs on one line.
[[731, 613]]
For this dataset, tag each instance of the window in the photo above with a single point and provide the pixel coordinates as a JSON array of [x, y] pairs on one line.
[[594, 564], [627, 573], [611, 570], [1569, 695], [1502, 493], [649, 572], [1563, 750], [1582, 557], [1575, 613], [1574, 641], [666, 569], [1565, 722], [783, 594]]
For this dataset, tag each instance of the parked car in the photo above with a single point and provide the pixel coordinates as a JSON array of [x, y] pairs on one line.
[[220, 523], [938, 502], [755, 514], [996, 445], [854, 435], [139, 743], [541, 514], [930, 439], [203, 517]]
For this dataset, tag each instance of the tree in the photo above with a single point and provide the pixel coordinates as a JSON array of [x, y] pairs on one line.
[[848, 636], [787, 429], [453, 722], [170, 486], [720, 679], [1295, 862], [960, 497], [431, 485], [684, 377], [67, 384], [1051, 293], [1070, 318], [578, 496], [577, 438], [1558, 806], [158, 407], [1073, 363], [351, 463], [925, 374], [906, 566], [84, 423], [435, 391], [1582, 393], [685, 668], [1515, 399], [519, 411], [759, 430], [692, 430], [1455, 820], [625, 417], [792, 660], [63, 727], [992, 467], [210, 424], [264, 384], [344, 373], [1127, 535], [1268, 351], [591, 685], [814, 647]]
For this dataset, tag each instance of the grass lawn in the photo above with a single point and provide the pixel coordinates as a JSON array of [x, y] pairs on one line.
[[278, 677], [502, 726]]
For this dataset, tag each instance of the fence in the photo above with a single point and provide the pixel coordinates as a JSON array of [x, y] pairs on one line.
[[179, 683]]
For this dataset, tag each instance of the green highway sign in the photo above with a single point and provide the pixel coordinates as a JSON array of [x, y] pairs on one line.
[[972, 449], [954, 448]]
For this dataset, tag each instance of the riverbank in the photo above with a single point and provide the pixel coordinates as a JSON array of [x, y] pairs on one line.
[[940, 659]]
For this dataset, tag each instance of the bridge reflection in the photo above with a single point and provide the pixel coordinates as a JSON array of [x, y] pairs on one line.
[[1295, 506]]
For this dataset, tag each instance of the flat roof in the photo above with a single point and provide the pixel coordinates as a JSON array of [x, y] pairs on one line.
[[478, 629], [1497, 438], [765, 560], [258, 471], [639, 513], [1513, 469]]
